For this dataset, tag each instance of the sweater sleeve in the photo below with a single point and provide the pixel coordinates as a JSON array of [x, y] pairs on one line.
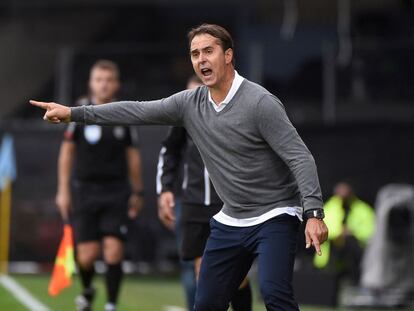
[[167, 111], [276, 128]]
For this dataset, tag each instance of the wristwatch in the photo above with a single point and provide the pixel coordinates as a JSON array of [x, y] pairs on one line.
[[315, 213]]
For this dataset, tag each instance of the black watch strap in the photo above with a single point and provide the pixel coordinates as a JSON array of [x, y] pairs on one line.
[[315, 213]]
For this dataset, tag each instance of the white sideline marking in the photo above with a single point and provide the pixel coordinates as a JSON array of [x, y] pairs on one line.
[[174, 308], [21, 294]]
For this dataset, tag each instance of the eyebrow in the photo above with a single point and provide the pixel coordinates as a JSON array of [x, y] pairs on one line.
[[203, 49]]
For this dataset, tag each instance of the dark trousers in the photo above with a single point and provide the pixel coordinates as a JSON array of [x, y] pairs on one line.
[[188, 279], [229, 254]]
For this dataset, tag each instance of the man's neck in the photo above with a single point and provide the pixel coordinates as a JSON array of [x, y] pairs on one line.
[[219, 92]]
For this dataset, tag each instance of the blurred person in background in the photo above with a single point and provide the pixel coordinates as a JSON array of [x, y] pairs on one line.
[[351, 224], [104, 189], [200, 202]]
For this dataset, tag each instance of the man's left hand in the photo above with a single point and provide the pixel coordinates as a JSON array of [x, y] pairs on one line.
[[136, 204], [316, 232]]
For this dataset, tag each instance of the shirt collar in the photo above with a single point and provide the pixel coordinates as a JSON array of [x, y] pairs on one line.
[[235, 85]]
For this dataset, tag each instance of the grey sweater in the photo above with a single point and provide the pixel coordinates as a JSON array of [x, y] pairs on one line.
[[254, 155]]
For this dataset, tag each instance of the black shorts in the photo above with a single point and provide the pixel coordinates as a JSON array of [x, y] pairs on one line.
[[99, 210], [195, 228]]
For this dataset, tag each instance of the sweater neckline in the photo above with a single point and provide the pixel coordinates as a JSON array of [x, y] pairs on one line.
[[230, 103]]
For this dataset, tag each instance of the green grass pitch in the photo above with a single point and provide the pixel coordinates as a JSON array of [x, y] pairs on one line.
[[137, 293]]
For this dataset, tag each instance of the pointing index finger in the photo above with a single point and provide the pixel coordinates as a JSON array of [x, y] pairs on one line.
[[39, 104], [316, 244]]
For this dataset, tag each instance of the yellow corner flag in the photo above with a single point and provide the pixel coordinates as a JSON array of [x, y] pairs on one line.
[[8, 174], [64, 264]]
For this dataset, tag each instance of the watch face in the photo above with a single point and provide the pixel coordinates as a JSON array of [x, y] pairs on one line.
[[319, 214]]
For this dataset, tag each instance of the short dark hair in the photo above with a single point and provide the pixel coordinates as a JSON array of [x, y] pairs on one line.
[[223, 36], [106, 65]]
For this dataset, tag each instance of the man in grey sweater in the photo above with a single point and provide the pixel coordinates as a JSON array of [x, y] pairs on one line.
[[260, 167]]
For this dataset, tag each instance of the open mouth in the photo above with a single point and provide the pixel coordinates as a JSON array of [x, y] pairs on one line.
[[206, 72]]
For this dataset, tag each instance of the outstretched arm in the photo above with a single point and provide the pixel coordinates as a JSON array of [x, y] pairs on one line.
[[167, 111]]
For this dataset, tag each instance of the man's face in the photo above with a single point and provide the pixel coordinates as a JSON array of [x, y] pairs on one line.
[[343, 190], [209, 60], [104, 84]]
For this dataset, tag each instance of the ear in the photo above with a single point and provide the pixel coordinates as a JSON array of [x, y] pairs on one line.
[[228, 55]]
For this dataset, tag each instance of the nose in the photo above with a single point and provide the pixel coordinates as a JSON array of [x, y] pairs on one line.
[[202, 58]]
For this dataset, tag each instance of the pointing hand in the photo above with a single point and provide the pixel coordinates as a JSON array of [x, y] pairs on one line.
[[55, 113]]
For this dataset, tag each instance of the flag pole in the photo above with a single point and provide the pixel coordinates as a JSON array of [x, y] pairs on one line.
[[5, 210]]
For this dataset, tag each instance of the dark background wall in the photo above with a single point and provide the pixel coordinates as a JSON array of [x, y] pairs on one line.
[[369, 156], [356, 116]]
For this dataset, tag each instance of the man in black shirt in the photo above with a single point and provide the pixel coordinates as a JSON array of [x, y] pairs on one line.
[[103, 164], [200, 201]]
